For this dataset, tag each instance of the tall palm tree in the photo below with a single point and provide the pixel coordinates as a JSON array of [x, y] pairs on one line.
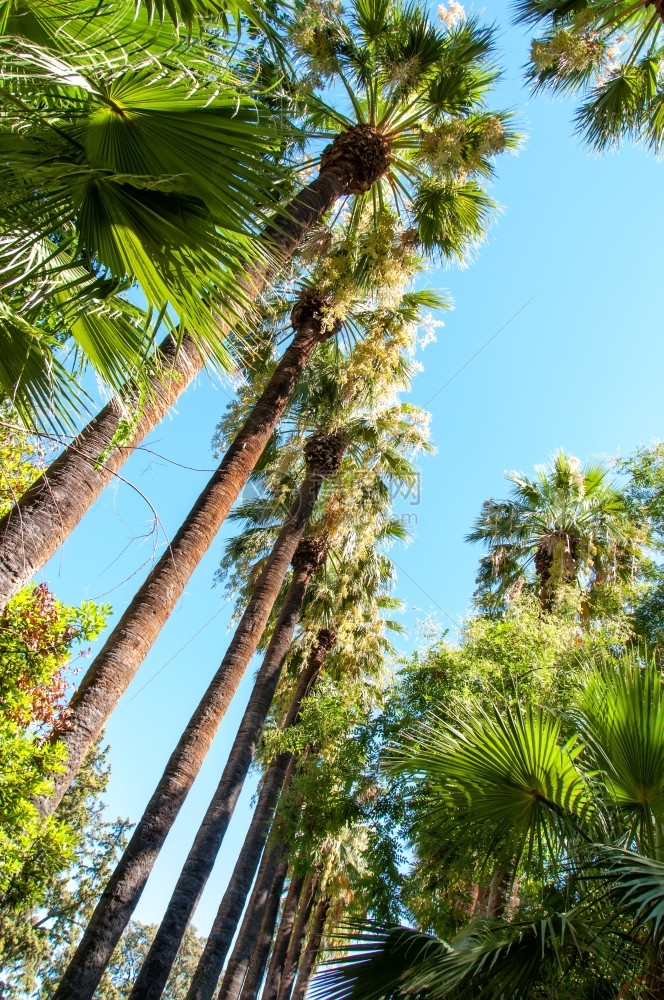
[[282, 984], [276, 777], [375, 448], [610, 53], [300, 892], [246, 966], [322, 454], [109, 675], [569, 524], [311, 949], [342, 531], [417, 136], [309, 556], [582, 816]]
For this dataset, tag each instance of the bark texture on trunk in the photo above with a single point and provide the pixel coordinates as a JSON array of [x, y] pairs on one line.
[[253, 943], [50, 510], [125, 886], [157, 965], [312, 949], [296, 890], [211, 962], [52, 507], [277, 778], [296, 942], [110, 674]]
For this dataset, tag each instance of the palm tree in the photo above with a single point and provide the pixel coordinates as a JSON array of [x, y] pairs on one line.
[[608, 52], [569, 525], [275, 779], [417, 137], [311, 949], [109, 675], [341, 530], [581, 816], [372, 447], [281, 985], [246, 967], [322, 455], [309, 556], [114, 667]]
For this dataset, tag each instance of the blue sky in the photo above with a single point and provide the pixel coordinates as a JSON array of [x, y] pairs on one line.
[[571, 276]]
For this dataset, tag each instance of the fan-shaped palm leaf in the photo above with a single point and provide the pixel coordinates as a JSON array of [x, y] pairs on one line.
[[506, 773], [636, 885], [622, 721], [492, 961]]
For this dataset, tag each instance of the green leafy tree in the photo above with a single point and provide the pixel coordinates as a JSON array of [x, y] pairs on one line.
[[575, 819], [37, 636], [643, 480], [38, 936]]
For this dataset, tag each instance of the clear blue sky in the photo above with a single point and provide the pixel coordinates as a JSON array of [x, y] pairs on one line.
[[572, 273]]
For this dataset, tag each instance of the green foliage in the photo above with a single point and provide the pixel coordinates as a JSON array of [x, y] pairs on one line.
[[131, 156], [586, 808], [46, 909], [424, 88], [37, 637], [523, 656], [568, 525], [608, 52], [504, 772], [21, 458]]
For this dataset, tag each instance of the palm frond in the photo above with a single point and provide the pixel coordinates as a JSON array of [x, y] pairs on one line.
[[506, 773]]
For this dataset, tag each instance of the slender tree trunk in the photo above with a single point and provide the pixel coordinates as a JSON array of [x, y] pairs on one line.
[[157, 965], [53, 506], [253, 943], [211, 962], [128, 880], [115, 666], [296, 942], [55, 503], [276, 778], [312, 949], [295, 893]]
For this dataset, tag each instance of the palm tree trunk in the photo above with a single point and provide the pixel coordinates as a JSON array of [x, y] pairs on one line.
[[115, 666], [252, 947], [123, 891], [296, 891], [297, 941], [152, 978], [312, 949], [50, 510], [55, 503], [211, 962], [277, 778]]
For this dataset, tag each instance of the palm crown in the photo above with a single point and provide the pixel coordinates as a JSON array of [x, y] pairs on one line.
[[569, 525], [415, 124], [611, 53]]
